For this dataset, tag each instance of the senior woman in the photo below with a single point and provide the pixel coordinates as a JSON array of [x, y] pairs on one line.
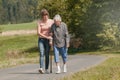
[[60, 42]]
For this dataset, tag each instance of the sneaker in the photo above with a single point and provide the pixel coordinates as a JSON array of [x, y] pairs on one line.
[[41, 71], [46, 71], [58, 72], [64, 69]]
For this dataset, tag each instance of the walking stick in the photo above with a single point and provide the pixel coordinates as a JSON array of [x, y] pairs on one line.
[[51, 52], [51, 60]]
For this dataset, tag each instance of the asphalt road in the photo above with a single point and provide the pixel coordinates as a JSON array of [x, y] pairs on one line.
[[75, 64]]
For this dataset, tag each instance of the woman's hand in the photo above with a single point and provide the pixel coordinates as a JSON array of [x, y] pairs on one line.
[[51, 41], [68, 45]]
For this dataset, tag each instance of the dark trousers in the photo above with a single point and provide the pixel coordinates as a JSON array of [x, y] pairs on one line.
[[44, 49]]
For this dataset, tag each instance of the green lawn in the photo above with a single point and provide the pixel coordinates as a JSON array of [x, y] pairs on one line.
[[21, 26], [15, 47], [108, 70]]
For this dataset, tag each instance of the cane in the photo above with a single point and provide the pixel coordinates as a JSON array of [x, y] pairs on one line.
[[51, 61], [51, 52]]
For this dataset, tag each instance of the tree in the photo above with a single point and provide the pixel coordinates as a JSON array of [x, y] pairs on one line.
[[53, 6], [17, 11], [95, 22], [109, 19]]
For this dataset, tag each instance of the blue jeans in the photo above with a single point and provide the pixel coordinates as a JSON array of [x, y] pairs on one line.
[[44, 49], [62, 51]]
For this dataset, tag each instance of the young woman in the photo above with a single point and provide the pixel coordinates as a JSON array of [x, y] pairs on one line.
[[43, 30]]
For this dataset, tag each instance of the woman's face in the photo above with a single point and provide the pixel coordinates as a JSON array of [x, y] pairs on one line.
[[45, 16], [57, 22]]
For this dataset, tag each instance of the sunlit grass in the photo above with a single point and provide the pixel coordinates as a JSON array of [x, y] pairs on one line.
[[17, 45], [21, 26], [14, 62], [108, 70], [16, 50]]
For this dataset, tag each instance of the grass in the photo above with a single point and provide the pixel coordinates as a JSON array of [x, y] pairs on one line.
[[17, 48], [108, 70], [19, 61], [21, 26]]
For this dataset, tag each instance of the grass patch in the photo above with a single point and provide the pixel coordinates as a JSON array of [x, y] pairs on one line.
[[15, 62], [108, 70], [21, 26], [17, 47]]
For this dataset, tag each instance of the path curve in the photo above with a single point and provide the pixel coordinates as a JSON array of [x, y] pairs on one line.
[[75, 64]]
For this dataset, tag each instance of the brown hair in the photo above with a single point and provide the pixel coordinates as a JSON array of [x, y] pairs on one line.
[[44, 12]]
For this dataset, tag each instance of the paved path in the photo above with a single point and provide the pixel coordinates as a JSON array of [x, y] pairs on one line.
[[30, 71]]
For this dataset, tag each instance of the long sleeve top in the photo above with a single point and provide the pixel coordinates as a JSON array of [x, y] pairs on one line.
[[60, 35]]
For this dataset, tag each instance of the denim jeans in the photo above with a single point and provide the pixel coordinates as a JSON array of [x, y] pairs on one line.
[[62, 51], [44, 48]]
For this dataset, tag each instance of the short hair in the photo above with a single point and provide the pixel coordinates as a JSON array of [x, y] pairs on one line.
[[57, 17], [44, 12]]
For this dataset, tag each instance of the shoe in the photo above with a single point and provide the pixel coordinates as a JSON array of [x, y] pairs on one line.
[[64, 69], [41, 71], [46, 71], [58, 72]]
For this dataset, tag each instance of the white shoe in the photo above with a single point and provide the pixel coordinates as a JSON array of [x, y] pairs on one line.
[[58, 72], [46, 71], [64, 69], [41, 71]]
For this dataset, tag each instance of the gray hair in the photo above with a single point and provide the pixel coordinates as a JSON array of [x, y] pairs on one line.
[[57, 17]]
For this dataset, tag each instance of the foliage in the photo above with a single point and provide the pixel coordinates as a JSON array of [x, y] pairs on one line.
[[53, 7], [109, 19], [17, 11], [95, 22]]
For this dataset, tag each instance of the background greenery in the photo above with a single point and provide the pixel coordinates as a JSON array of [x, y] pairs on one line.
[[21, 26], [94, 22]]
